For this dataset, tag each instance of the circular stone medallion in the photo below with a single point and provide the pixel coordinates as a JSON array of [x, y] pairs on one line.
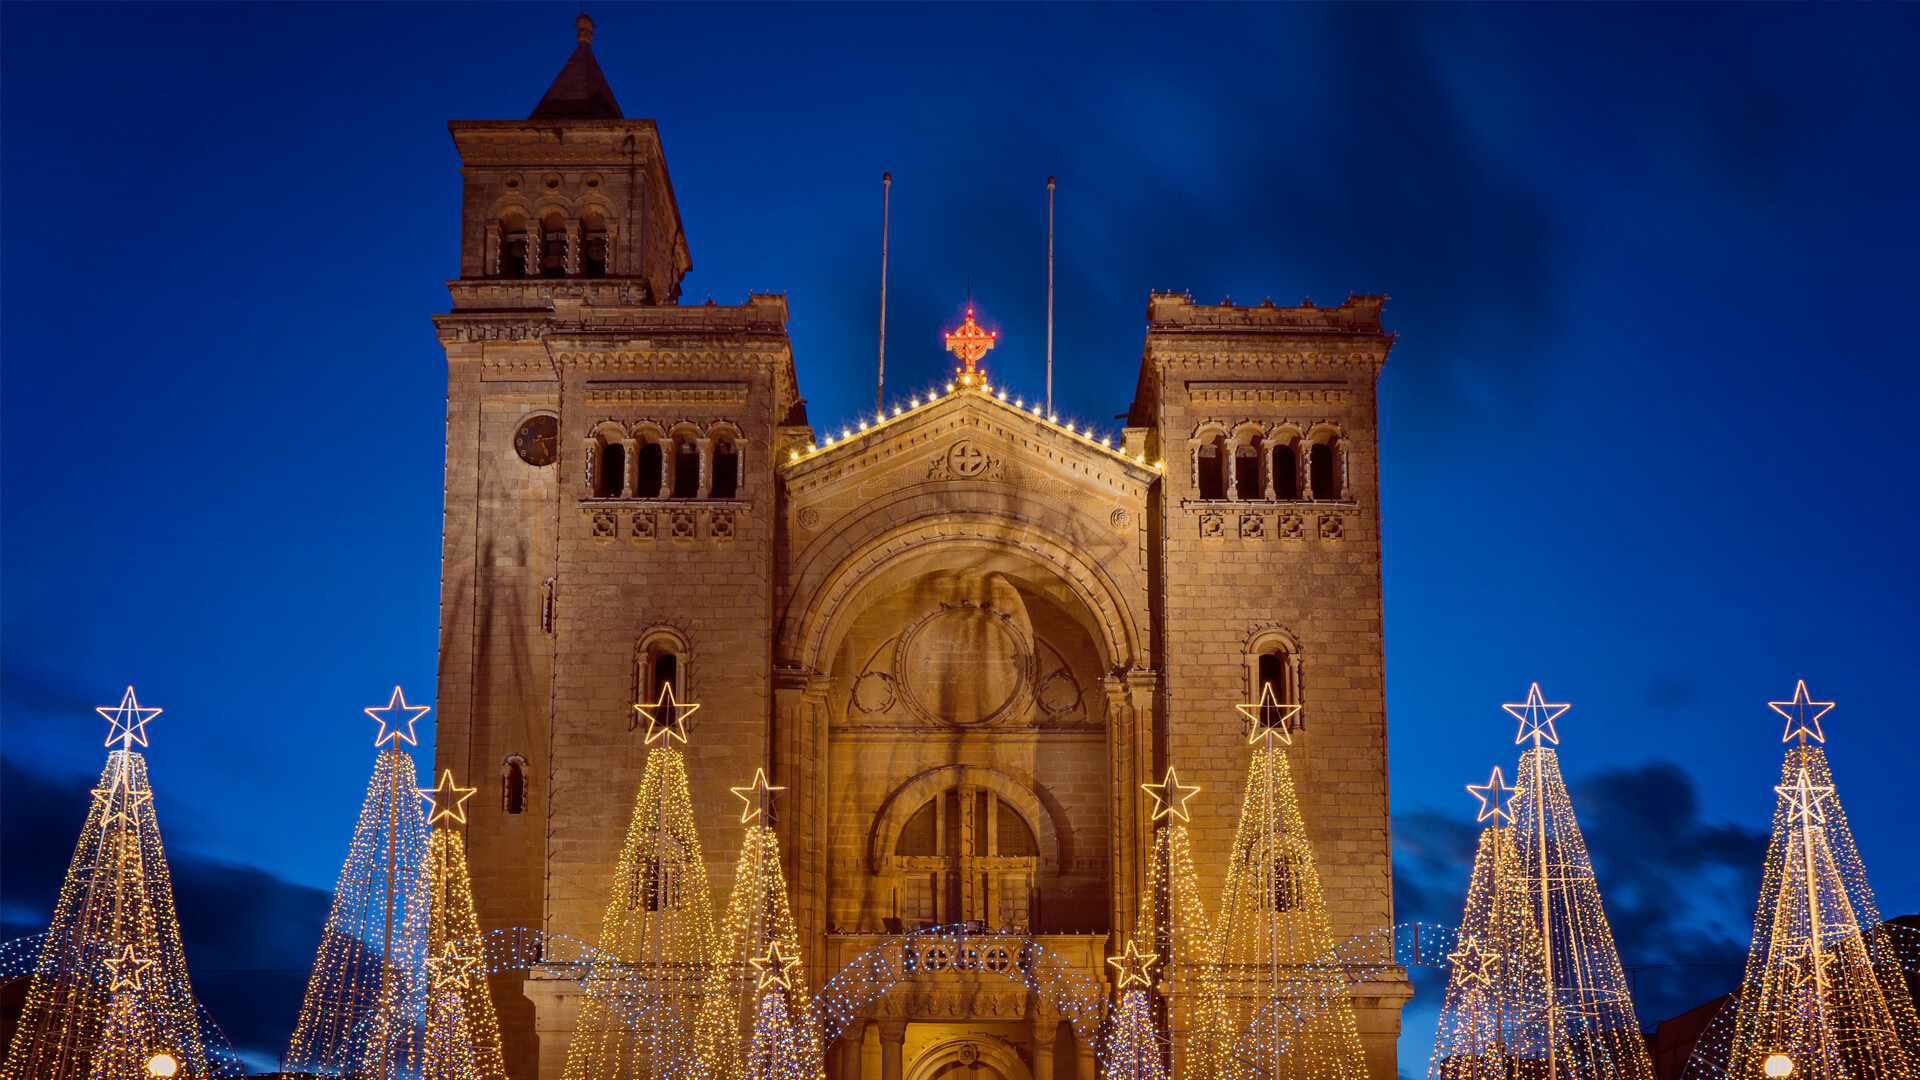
[[963, 666]]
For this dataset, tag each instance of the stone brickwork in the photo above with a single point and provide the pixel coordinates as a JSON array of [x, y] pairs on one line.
[[960, 638]]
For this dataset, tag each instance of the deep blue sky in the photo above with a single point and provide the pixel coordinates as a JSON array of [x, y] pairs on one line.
[[1645, 434]]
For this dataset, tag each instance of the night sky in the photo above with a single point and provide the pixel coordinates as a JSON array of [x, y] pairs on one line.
[[1645, 433]]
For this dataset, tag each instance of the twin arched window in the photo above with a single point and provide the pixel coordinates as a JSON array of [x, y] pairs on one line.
[[647, 466], [1253, 467]]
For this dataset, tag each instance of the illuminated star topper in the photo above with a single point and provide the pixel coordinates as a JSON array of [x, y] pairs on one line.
[[125, 970], [395, 713], [758, 796], [452, 971], [1796, 712], [1271, 720], [667, 718], [1492, 795], [448, 799], [129, 721], [1170, 796], [1804, 798], [1536, 717], [1133, 966], [773, 967], [112, 807], [970, 342]]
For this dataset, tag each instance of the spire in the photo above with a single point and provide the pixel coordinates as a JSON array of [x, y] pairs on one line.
[[580, 91]]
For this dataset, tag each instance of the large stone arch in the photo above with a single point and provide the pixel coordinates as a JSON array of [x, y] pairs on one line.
[[967, 1049], [913, 794], [841, 567]]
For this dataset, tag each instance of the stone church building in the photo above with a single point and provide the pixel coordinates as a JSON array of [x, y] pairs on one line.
[[961, 638]]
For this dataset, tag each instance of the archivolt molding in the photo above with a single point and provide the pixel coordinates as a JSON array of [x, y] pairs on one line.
[[966, 1050], [912, 795], [832, 573]]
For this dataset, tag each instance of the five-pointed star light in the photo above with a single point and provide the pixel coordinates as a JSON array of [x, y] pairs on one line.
[[1493, 795], [395, 713], [129, 721], [449, 800], [1804, 798], [666, 718], [1271, 720], [773, 967], [1170, 796], [1814, 969], [114, 808], [1471, 961], [1536, 717], [758, 796], [452, 970], [125, 970], [1797, 710], [1132, 965]]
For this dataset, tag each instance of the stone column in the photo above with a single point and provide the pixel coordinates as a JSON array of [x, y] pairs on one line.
[[799, 752], [893, 1033], [1046, 1028], [851, 1038], [1130, 750], [1086, 1058]]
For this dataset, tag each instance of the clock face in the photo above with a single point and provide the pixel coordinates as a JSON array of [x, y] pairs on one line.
[[537, 440]]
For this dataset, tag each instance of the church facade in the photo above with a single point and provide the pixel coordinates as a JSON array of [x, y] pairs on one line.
[[960, 638]]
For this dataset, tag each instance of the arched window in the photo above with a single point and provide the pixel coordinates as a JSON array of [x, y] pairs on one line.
[[1323, 470], [1274, 666], [1213, 469], [646, 471], [659, 661], [513, 245], [1246, 472], [610, 471], [686, 470], [1286, 472], [726, 470], [595, 249], [513, 785], [553, 246], [666, 672], [967, 855]]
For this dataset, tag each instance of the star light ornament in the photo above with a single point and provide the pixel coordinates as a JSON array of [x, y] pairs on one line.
[[1804, 798], [129, 721], [1493, 796], [773, 968], [113, 808], [1271, 719], [447, 799], [758, 796], [392, 715], [1132, 965], [125, 970], [1798, 722], [452, 971], [1472, 961], [666, 718], [1536, 718], [1170, 796]]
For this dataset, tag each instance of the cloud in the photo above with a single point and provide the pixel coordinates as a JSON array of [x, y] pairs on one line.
[[249, 936], [1679, 892]]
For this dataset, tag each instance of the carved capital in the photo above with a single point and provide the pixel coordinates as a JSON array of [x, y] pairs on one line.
[[892, 1029]]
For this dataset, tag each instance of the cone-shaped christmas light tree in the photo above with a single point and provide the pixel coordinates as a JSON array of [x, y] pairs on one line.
[[1822, 985], [658, 929], [1492, 1019], [773, 1053], [463, 1031], [758, 963], [1134, 1051], [1284, 992], [1589, 1027], [1173, 922], [110, 987], [365, 1009]]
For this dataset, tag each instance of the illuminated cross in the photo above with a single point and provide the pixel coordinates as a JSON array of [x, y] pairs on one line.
[[758, 796], [447, 798], [129, 721], [970, 342], [1170, 796], [666, 717], [1133, 966], [1271, 720], [126, 969], [1798, 722], [392, 715], [1491, 795], [1536, 717], [1804, 798], [773, 967]]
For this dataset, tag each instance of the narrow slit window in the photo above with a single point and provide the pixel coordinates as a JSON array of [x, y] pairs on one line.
[[686, 472], [513, 786], [646, 480], [1323, 462], [1246, 472], [726, 471], [612, 471], [1286, 473], [1213, 465], [666, 672]]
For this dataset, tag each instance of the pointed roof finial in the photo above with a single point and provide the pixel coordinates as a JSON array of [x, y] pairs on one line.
[[580, 91], [584, 29]]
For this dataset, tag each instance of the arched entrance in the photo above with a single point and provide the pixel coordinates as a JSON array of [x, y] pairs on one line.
[[969, 1058]]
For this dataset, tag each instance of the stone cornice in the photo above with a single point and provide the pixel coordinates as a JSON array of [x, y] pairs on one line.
[[516, 143]]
